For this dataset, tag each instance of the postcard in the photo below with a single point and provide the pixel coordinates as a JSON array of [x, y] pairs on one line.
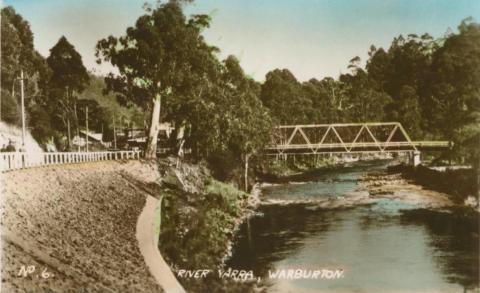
[[240, 146]]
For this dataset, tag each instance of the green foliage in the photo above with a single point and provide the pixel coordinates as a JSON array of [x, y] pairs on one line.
[[283, 95], [430, 86], [49, 86], [98, 117], [227, 119], [362, 101], [124, 116], [162, 57], [165, 55], [18, 54], [225, 196], [69, 77], [10, 108], [159, 55], [43, 128], [196, 228], [68, 71]]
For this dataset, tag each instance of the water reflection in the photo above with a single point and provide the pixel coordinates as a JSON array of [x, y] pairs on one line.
[[267, 239], [455, 243], [385, 246]]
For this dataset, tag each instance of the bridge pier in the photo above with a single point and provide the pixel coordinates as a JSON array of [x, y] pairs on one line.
[[414, 158]]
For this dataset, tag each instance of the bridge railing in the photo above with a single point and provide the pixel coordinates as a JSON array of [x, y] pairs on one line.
[[349, 145], [21, 160]]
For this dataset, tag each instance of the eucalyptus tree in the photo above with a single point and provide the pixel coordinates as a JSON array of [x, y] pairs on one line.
[[157, 58], [283, 95]]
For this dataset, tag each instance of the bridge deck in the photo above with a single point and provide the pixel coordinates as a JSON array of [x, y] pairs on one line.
[[359, 147]]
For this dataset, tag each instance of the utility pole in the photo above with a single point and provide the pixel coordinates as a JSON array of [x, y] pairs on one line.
[[69, 135], [114, 133], [86, 124], [23, 109], [247, 156]]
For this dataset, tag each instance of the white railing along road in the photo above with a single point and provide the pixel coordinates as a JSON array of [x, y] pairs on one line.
[[21, 160]]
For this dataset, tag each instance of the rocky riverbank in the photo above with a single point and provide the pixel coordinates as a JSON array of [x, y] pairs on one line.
[[200, 217], [459, 184], [382, 184], [423, 187], [72, 228]]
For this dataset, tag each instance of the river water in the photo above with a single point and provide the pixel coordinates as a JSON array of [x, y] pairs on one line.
[[382, 246]]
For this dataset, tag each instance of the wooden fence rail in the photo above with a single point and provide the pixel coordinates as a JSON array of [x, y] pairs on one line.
[[21, 160]]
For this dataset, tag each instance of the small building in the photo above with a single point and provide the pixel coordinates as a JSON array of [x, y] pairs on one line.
[[95, 141]]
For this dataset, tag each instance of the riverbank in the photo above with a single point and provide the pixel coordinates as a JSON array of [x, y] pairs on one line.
[[424, 188], [371, 224], [77, 225], [200, 217], [307, 168], [420, 185], [392, 185], [459, 184]]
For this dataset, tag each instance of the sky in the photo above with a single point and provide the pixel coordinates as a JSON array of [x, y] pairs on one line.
[[312, 38]]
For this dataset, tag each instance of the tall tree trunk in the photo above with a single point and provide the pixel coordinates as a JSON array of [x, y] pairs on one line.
[[151, 147]]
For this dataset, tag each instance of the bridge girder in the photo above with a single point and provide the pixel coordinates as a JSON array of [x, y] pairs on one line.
[[372, 137]]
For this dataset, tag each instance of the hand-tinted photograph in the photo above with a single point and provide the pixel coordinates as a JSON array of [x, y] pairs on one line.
[[238, 146]]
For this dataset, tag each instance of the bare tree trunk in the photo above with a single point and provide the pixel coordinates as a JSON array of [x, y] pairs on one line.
[[151, 147]]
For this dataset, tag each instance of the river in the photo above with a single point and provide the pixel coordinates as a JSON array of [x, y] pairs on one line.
[[381, 246]]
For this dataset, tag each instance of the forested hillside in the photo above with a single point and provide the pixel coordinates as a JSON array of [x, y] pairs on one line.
[[53, 89], [431, 86]]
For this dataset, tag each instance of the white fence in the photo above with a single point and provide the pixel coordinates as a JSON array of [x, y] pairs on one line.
[[21, 160]]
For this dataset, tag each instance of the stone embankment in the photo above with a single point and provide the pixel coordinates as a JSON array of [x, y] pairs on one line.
[[77, 225]]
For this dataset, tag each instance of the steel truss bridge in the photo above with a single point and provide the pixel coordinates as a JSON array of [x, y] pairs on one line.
[[384, 137]]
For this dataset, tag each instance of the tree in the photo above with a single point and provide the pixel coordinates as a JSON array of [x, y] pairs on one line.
[[98, 117], [69, 76], [326, 99], [155, 58], [453, 100], [19, 54], [249, 119], [363, 101], [284, 96], [242, 124]]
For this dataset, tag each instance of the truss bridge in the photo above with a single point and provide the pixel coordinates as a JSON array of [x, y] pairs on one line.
[[383, 137]]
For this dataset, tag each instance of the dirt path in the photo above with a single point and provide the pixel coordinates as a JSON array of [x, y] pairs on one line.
[[149, 248]]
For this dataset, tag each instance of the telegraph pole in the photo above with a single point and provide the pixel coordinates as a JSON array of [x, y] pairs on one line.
[[114, 133], [23, 109], [247, 156], [86, 123]]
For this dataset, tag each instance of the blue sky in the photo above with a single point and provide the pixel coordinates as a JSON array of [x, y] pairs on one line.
[[312, 38]]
